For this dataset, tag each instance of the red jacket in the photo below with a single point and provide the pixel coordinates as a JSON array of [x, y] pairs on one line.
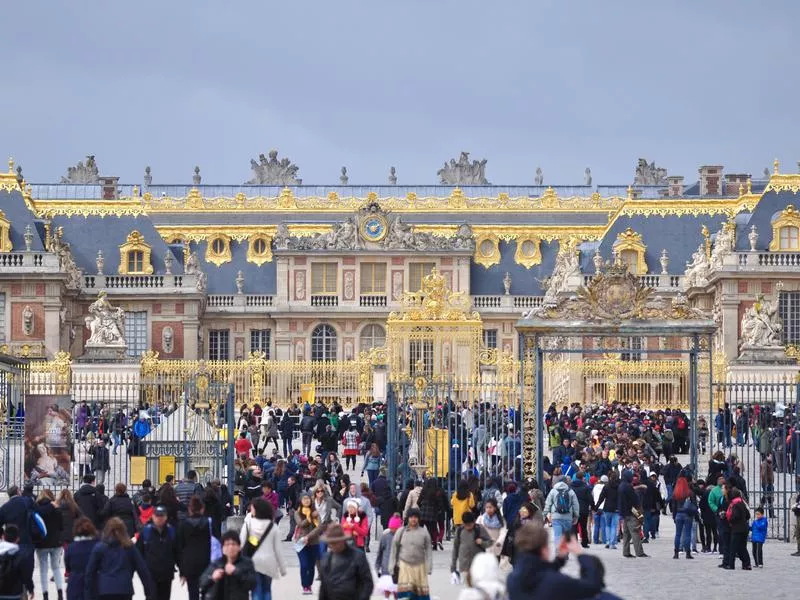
[[356, 527]]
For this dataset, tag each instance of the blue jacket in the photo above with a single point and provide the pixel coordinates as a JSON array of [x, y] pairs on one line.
[[535, 579], [75, 560], [141, 428], [759, 530], [15, 511], [110, 572]]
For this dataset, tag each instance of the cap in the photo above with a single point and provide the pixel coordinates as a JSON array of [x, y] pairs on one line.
[[653, 474], [604, 479], [160, 511]]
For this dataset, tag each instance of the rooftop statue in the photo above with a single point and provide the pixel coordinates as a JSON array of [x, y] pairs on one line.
[[106, 324], [463, 172], [83, 173], [696, 274], [723, 244], [66, 262], [273, 171], [649, 174], [761, 324], [567, 264]]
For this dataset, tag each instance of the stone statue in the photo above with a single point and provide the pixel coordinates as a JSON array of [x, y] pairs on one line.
[[723, 245], [148, 177], [761, 324], [239, 283], [539, 179], [168, 262], [463, 172], [196, 178], [27, 320], [274, 172], [567, 264], [766, 173], [649, 174], [66, 262], [587, 176], [83, 173], [696, 274], [507, 283], [100, 262], [167, 340], [392, 176], [106, 324], [282, 236], [343, 178], [192, 266]]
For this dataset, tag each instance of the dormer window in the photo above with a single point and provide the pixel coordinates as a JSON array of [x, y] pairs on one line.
[[218, 250], [789, 237], [259, 249], [134, 256], [786, 230], [630, 249]]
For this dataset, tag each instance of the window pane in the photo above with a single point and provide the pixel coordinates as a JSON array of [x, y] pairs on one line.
[[490, 338], [323, 343], [416, 273], [421, 355], [218, 344], [788, 238], [789, 311], [634, 343], [372, 336], [260, 341], [2, 317], [323, 278], [373, 278], [631, 260], [136, 332]]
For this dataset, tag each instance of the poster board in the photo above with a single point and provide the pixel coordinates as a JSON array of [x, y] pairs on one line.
[[48, 439], [166, 466]]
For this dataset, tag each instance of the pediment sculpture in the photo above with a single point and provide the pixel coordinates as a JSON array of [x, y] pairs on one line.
[[66, 262], [83, 173], [271, 171], [463, 172], [723, 244], [696, 273], [567, 264]]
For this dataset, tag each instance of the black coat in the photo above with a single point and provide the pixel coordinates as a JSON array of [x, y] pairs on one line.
[[535, 579], [194, 547], [122, 508], [53, 521], [67, 523], [160, 551], [233, 587], [15, 512], [101, 460], [110, 571], [627, 499], [90, 503], [352, 581], [609, 497], [584, 494], [75, 560]]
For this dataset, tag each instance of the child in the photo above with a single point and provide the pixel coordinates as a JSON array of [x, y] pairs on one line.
[[385, 582], [758, 530], [702, 434]]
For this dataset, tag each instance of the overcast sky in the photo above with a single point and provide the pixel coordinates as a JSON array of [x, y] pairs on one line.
[[369, 84]]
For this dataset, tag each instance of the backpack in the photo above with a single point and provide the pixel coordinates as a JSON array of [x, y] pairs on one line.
[[681, 423], [563, 503], [36, 527]]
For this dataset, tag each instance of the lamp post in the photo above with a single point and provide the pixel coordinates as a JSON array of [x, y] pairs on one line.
[[420, 386]]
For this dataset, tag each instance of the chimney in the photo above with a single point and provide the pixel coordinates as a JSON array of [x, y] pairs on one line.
[[675, 186], [109, 187], [733, 181], [711, 180]]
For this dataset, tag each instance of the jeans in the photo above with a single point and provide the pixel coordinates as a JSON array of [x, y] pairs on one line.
[[263, 590], [372, 475], [287, 446], [758, 553], [683, 526], [99, 477], [307, 437], [54, 555], [649, 525], [308, 561], [598, 531], [193, 587], [116, 437], [611, 525], [560, 527]]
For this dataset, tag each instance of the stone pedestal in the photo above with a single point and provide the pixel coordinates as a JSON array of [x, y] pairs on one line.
[[763, 355]]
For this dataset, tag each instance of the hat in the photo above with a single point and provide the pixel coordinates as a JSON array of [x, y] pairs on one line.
[[160, 511], [653, 474], [414, 512], [334, 533], [350, 502], [395, 523], [604, 479]]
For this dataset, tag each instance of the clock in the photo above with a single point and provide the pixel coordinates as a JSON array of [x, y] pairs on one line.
[[373, 228]]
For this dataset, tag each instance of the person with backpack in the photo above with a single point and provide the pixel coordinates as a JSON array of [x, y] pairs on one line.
[[18, 511], [195, 534], [88, 500], [158, 545], [76, 557], [49, 549], [469, 540], [738, 518], [561, 509], [112, 563], [13, 584]]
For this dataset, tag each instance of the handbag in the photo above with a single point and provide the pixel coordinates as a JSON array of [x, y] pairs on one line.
[[396, 570], [215, 548], [249, 547]]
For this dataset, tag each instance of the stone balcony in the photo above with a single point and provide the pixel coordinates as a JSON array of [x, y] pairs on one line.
[[505, 303], [28, 262], [239, 303], [762, 261], [662, 282], [143, 285]]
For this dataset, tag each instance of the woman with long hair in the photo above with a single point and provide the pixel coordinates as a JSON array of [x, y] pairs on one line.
[[168, 499], [194, 546], [50, 548], [683, 507], [428, 509], [112, 563], [306, 536], [260, 530], [372, 463], [494, 524], [76, 557], [69, 514]]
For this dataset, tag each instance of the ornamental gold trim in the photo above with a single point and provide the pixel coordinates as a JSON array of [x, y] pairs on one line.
[[219, 258], [201, 233], [8, 181], [630, 240], [255, 257], [487, 250], [135, 243], [789, 217], [5, 228], [528, 251]]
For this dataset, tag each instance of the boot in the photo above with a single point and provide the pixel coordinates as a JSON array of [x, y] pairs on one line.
[[676, 554], [44, 595], [60, 594], [798, 550], [689, 554]]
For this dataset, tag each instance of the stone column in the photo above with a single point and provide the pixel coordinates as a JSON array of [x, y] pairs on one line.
[[282, 290], [52, 327], [191, 350]]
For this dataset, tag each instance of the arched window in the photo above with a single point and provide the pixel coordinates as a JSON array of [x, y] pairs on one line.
[[372, 336], [786, 230], [323, 343]]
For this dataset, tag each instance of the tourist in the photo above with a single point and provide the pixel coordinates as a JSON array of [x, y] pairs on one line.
[[683, 508], [385, 582], [495, 526], [609, 500], [186, 488], [758, 535], [767, 474], [351, 442], [158, 544], [484, 580], [193, 546], [598, 528], [413, 558], [243, 446], [69, 514], [112, 563], [534, 577], [15, 512], [269, 431], [561, 509], [13, 583], [231, 577], [344, 571], [146, 488], [585, 505], [76, 557], [287, 428], [525, 514], [121, 506], [101, 461], [213, 508], [429, 509], [630, 512], [326, 507], [412, 498], [796, 513], [169, 501], [365, 506], [373, 460], [468, 541], [306, 535], [461, 501], [355, 523], [259, 536], [738, 518]]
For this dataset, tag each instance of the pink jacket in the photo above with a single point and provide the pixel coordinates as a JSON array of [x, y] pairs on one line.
[[357, 530]]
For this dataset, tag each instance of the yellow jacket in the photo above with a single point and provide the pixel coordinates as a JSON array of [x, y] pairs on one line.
[[460, 507]]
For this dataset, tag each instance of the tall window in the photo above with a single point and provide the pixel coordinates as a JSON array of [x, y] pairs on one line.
[[323, 278], [259, 341], [372, 336], [490, 338], [2, 317], [632, 343], [789, 311], [219, 344], [789, 239], [136, 332], [323, 343], [416, 273], [135, 261], [421, 355], [373, 278]]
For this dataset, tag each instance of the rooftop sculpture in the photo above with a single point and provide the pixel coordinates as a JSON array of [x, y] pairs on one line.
[[273, 171]]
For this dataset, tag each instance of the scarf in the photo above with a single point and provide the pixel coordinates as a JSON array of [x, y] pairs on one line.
[[306, 512], [491, 522]]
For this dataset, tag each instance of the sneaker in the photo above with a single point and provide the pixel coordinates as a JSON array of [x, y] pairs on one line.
[[307, 591]]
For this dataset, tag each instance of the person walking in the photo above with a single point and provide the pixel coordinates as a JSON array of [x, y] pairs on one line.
[[585, 505], [50, 549], [194, 546], [101, 461], [738, 518], [15, 512], [344, 571], [758, 535], [385, 582], [412, 559], [287, 428], [12, 566], [609, 500], [306, 535], [561, 509], [630, 511], [355, 523], [89, 501], [186, 488], [259, 535], [373, 460], [121, 506], [69, 514], [470, 539], [231, 577], [494, 525], [76, 557], [157, 543], [684, 508], [112, 563]]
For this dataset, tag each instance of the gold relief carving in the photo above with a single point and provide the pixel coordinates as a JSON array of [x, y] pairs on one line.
[[194, 200], [134, 256], [8, 181], [548, 233], [5, 228], [435, 302], [783, 182], [457, 199], [192, 233], [631, 241], [259, 249], [528, 251], [218, 249], [286, 199], [487, 250], [549, 199], [789, 217]]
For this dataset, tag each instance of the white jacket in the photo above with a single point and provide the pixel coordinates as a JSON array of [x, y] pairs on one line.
[[268, 559]]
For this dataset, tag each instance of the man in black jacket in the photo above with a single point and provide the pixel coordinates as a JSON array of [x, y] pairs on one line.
[[344, 571], [231, 577], [585, 503], [157, 544], [287, 428], [15, 513], [89, 501], [628, 504]]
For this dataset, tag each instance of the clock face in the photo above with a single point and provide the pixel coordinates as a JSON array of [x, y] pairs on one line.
[[373, 228]]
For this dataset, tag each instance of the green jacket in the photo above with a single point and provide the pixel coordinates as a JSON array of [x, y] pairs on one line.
[[715, 498]]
